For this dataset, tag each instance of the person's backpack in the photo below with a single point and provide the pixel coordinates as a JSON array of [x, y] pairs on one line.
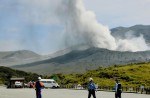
[[119, 89]]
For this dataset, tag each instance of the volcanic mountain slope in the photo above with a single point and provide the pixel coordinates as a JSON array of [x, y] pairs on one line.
[[80, 61], [17, 57], [137, 30]]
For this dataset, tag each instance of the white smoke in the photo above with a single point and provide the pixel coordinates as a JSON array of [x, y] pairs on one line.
[[132, 43], [81, 27]]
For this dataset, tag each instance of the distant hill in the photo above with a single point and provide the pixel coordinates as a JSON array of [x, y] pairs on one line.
[[7, 73], [135, 30], [17, 57], [79, 61]]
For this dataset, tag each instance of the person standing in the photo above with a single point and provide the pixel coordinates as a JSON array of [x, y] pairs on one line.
[[118, 89], [38, 86], [91, 88]]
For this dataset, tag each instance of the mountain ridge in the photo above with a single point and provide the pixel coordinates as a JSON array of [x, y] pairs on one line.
[[17, 57], [80, 58], [91, 58], [136, 30]]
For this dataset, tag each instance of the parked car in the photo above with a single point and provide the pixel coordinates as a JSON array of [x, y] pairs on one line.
[[18, 84], [79, 86]]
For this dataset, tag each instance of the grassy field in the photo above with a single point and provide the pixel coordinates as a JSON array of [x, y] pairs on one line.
[[129, 75]]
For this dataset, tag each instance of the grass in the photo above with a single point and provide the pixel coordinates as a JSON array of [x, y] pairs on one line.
[[129, 75]]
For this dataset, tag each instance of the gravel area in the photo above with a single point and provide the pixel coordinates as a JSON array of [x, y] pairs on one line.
[[61, 93]]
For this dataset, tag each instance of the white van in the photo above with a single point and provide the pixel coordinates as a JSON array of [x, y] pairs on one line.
[[50, 83]]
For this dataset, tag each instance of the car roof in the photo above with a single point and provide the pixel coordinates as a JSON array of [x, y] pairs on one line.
[[47, 80]]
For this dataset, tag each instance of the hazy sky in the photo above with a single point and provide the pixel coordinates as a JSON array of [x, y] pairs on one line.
[[34, 24]]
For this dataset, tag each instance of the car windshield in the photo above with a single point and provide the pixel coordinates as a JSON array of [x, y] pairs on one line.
[[49, 81], [17, 82], [43, 81]]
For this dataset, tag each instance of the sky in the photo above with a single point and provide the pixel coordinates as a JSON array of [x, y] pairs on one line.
[[36, 24]]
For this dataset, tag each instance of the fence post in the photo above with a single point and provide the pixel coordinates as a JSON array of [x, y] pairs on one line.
[[126, 88]]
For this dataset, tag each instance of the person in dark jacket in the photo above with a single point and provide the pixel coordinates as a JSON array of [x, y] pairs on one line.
[[38, 86], [91, 88], [118, 89]]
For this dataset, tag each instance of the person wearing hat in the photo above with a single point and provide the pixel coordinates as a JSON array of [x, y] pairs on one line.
[[91, 88], [38, 86], [118, 89]]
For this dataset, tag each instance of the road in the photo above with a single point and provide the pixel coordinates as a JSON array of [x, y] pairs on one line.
[[61, 93]]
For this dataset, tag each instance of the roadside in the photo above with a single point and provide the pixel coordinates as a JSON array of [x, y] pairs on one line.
[[61, 93]]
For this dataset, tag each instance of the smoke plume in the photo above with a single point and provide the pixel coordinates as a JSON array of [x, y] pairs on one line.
[[81, 27], [132, 43]]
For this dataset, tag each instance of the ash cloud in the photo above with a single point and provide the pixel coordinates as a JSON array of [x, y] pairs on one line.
[[46, 26], [82, 27], [132, 43]]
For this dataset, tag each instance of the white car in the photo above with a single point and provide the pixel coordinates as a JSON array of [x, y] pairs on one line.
[[18, 84], [50, 83], [79, 86]]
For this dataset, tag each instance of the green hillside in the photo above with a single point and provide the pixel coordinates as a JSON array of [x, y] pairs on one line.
[[7, 73], [129, 75]]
